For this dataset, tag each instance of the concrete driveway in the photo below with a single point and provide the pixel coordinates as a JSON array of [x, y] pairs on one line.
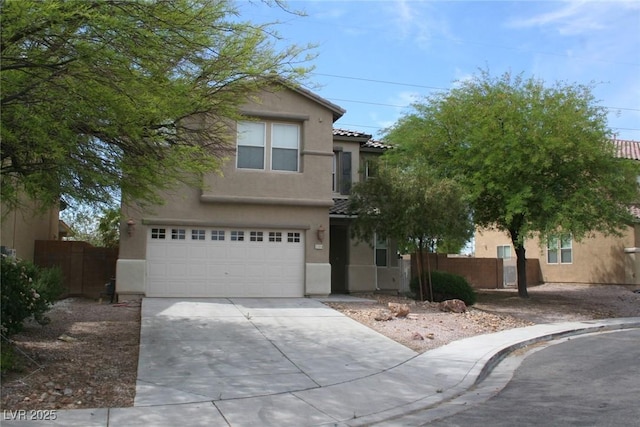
[[203, 350]]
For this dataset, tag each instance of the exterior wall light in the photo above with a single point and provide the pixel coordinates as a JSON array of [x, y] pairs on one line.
[[131, 226], [320, 233]]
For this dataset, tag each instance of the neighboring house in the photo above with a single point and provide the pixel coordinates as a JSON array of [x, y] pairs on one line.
[[599, 259], [259, 229], [357, 266], [22, 226]]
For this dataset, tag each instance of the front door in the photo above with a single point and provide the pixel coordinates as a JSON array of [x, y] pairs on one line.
[[338, 257]]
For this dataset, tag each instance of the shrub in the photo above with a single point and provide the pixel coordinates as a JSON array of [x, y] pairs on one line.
[[447, 286], [26, 291], [8, 359]]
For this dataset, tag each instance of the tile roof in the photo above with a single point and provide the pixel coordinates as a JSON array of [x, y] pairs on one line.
[[369, 143], [340, 207], [376, 144], [350, 133], [627, 149]]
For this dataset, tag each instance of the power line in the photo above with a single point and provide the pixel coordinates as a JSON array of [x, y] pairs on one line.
[[409, 85]]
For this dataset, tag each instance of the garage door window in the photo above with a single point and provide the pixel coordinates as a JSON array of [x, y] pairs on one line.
[[158, 233], [293, 237], [275, 236], [198, 234], [237, 236], [217, 235], [178, 234], [256, 236]]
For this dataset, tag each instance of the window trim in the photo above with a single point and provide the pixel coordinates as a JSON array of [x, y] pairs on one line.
[[263, 146], [381, 245], [274, 147], [268, 146], [556, 244], [503, 247]]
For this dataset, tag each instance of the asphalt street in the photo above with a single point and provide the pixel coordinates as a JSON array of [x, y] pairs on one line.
[[584, 381]]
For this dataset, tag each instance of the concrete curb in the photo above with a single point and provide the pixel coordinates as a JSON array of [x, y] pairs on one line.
[[415, 413]]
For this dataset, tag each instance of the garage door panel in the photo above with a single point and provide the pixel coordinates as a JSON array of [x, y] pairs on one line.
[[225, 268]]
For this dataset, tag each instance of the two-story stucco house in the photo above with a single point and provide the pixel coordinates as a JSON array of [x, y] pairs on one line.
[[265, 227], [598, 259]]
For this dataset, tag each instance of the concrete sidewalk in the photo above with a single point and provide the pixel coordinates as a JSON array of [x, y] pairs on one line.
[[294, 362]]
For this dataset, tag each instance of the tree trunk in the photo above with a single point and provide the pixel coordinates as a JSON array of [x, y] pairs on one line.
[[420, 264], [521, 259], [430, 297], [521, 268]]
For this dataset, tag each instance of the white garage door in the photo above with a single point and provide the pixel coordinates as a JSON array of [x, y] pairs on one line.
[[224, 262]]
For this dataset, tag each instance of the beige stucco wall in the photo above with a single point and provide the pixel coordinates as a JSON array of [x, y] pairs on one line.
[[365, 276], [22, 227], [598, 259]]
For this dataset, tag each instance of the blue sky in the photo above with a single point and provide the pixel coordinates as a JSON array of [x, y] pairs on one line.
[[376, 57]]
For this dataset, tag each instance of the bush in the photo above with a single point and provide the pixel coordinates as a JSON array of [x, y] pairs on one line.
[[26, 291], [447, 286], [8, 359]]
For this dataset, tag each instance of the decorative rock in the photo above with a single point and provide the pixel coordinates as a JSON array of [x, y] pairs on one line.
[[416, 336], [68, 392], [400, 310], [67, 338], [453, 306], [383, 316]]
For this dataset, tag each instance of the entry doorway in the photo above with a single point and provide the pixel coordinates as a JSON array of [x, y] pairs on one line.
[[339, 257]]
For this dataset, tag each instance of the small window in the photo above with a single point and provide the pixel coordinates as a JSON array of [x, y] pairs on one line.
[[560, 249], [381, 252], [217, 235], [178, 234], [255, 236], [158, 233], [237, 236], [285, 141], [275, 236], [566, 249], [197, 234], [341, 172], [504, 251], [251, 142], [293, 237]]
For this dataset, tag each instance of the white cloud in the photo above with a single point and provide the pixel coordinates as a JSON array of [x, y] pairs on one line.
[[577, 17], [419, 22]]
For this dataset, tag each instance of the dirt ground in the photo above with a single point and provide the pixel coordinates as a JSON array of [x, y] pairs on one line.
[[87, 356]]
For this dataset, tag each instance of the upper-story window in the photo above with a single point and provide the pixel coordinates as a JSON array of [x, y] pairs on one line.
[[251, 143], [341, 172], [285, 147], [274, 144]]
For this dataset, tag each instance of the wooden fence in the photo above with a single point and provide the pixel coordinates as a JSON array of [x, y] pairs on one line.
[[86, 268]]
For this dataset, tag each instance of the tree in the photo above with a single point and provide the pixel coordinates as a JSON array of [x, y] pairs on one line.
[[535, 160], [109, 95], [410, 205], [99, 228]]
